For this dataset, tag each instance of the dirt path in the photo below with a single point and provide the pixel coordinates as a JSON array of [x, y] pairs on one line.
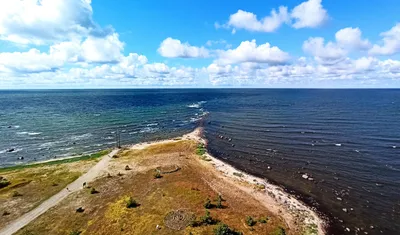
[[89, 176]]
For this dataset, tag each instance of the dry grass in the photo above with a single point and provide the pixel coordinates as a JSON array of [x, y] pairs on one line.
[[31, 186], [186, 189]]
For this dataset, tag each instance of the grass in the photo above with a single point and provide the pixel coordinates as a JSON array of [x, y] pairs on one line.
[[201, 150], [56, 162], [238, 174]]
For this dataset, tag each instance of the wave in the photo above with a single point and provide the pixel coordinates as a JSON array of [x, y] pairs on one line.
[[28, 133], [80, 137], [108, 138], [196, 105], [149, 130], [152, 124]]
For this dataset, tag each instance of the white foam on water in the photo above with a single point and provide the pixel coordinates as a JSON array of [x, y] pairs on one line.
[[149, 130], [80, 137], [108, 138], [152, 124], [132, 133], [22, 133], [34, 133], [338, 145]]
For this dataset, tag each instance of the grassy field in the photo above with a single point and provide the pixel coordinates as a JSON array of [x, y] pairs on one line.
[[189, 199], [32, 184]]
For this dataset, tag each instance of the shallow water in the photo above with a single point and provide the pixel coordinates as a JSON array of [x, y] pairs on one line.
[[348, 141]]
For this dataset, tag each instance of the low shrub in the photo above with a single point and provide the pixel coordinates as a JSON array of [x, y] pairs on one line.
[[263, 220], [4, 182], [238, 174], [250, 221], [208, 204], [16, 194], [207, 219], [157, 174], [75, 232], [219, 201], [93, 191], [201, 150], [223, 229], [280, 231], [131, 203]]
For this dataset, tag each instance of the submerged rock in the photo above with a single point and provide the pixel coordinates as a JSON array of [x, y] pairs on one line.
[[10, 150]]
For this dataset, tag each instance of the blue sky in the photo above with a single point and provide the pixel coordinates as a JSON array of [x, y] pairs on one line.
[[128, 44]]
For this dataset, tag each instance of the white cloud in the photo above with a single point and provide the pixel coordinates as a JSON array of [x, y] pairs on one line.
[[173, 48], [330, 53], [248, 51], [102, 50], [247, 20], [351, 38], [32, 61], [43, 21], [310, 14], [391, 42]]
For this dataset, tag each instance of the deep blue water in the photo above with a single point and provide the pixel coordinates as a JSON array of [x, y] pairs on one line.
[[348, 141]]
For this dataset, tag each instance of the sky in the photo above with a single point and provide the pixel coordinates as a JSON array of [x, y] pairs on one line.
[[199, 44]]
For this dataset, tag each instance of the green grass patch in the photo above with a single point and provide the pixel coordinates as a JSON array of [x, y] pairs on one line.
[[201, 149], [56, 162]]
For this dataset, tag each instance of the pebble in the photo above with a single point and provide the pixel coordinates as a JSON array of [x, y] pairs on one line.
[[347, 229], [305, 176], [345, 210], [339, 199]]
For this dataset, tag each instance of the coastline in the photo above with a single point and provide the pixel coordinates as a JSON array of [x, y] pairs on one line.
[[298, 216], [296, 213]]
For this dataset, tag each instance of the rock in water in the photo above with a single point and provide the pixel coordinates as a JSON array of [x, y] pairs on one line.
[[10, 150]]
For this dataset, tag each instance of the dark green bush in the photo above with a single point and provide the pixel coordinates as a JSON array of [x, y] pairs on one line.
[[250, 221], [93, 191], [157, 174], [131, 203], [207, 219], [208, 204], [75, 232], [280, 231], [201, 150], [4, 182], [223, 229], [219, 201]]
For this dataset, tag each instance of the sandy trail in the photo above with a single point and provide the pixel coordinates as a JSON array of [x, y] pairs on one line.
[[89, 176]]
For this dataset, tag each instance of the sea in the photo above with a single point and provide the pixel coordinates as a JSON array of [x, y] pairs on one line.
[[338, 150]]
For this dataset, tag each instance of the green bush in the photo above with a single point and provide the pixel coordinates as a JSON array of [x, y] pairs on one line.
[[157, 174], [131, 203], [93, 191], [208, 204], [223, 229], [75, 232], [219, 201], [280, 231], [201, 150], [238, 174], [263, 220], [16, 194], [250, 221], [207, 219], [4, 182]]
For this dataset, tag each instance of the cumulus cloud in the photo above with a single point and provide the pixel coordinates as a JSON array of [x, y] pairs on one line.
[[174, 48], [32, 61], [391, 42], [310, 14], [44, 21], [248, 51], [351, 38], [102, 50], [247, 20], [329, 53]]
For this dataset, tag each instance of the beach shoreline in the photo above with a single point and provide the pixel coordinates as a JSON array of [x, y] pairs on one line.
[[297, 214]]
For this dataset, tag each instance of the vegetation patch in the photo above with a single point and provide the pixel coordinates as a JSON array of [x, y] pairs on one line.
[[4, 182], [250, 221], [223, 229], [201, 150], [56, 162], [131, 203], [238, 174]]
